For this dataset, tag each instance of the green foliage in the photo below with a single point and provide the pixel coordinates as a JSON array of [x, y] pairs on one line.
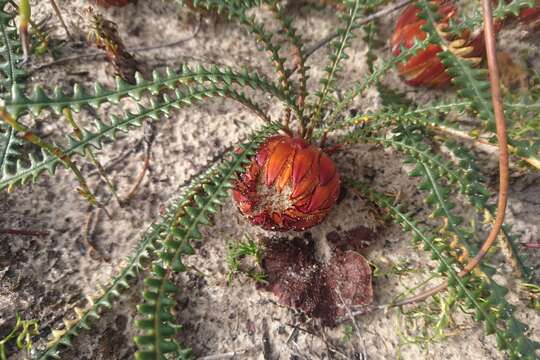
[[427, 323], [502, 10], [479, 294], [523, 118], [298, 56], [237, 11], [472, 83], [10, 49], [200, 201], [532, 292], [212, 82], [226, 5], [348, 331], [105, 298], [472, 184], [22, 333], [170, 80], [412, 130], [10, 144], [338, 54], [237, 251], [435, 170], [372, 78]]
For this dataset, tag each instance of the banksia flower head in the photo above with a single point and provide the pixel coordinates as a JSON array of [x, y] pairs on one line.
[[289, 185], [426, 68]]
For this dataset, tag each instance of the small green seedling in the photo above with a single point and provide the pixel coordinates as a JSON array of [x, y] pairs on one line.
[[237, 252]]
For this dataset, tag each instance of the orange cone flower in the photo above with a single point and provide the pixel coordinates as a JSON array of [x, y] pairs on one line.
[[426, 68], [289, 185]]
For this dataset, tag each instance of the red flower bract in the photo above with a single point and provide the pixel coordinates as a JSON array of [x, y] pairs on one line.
[[426, 68], [289, 185]]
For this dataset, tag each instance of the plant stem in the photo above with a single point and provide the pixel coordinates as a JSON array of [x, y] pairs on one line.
[[504, 174], [56, 151], [463, 135], [90, 153], [24, 232], [61, 18]]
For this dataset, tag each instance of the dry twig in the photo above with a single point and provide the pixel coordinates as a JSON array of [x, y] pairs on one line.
[[24, 232], [148, 140]]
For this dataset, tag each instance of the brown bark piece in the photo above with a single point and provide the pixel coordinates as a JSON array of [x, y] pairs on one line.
[[299, 281]]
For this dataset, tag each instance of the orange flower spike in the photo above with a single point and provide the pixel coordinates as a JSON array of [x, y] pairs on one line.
[[426, 68], [289, 185]]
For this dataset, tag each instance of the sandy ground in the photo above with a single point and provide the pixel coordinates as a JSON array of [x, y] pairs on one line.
[[45, 277]]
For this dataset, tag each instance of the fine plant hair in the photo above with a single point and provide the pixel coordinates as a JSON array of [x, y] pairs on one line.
[[422, 134]]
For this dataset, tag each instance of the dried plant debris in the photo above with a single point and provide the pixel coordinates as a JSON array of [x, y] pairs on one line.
[[355, 239], [514, 76], [199, 9], [103, 33], [325, 291]]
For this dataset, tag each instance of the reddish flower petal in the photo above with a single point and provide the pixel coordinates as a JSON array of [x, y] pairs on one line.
[[303, 204], [245, 207], [306, 222], [413, 32], [302, 163], [327, 169], [260, 218], [299, 143], [251, 175], [277, 218], [530, 13], [286, 173], [305, 187], [237, 196], [428, 74], [277, 159], [322, 194], [440, 80], [267, 148], [335, 188], [418, 61], [407, 16]]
